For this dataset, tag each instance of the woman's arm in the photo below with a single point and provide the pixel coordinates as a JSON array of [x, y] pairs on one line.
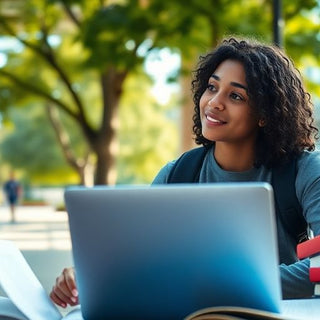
[[295, 277], [295, 281]]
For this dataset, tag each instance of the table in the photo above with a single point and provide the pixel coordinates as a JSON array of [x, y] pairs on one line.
[[304, 309]]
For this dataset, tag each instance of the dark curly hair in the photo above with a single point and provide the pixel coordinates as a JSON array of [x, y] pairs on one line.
[[276, 95]]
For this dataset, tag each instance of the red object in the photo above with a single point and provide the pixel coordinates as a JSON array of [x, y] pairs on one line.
[[314, 274], [308, 248]]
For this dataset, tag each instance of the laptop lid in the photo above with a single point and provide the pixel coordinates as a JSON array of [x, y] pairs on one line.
[[163, 252]]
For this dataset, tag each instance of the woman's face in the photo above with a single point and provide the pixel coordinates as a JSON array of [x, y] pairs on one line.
[[225, 113]]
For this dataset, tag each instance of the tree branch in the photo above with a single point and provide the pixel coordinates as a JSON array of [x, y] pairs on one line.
[[49, 57], [81, 165], [39, 92], [11, 32], [63, 139], [71, 14]]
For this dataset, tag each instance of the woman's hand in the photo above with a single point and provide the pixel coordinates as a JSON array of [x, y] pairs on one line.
[[65, 291]]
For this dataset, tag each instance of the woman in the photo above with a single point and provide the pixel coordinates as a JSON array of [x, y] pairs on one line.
[[252, 113]]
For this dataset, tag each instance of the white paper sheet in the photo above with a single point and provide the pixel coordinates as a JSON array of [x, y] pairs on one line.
[[22, 286], [74, 314], [9, 310]]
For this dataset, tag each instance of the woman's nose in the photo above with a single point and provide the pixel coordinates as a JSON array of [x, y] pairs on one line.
[[216, 102]]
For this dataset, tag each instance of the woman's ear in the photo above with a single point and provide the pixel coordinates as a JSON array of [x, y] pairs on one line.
[[262, 122]]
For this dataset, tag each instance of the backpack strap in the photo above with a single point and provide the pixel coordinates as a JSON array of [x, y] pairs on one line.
[[287, 205], [187, 167]]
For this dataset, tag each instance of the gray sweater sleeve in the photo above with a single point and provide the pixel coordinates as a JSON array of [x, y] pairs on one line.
[[295, 277], [295, 281]]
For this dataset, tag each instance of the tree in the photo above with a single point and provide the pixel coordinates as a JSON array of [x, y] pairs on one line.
[[72, 39], [145, 133]]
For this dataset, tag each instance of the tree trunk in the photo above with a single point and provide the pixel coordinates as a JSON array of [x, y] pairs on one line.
[[187, 109], [105, 166], [105, 144]]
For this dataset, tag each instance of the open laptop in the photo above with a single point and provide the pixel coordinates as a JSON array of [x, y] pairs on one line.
[[163, 252]]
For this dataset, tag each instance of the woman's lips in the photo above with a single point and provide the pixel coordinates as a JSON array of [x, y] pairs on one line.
[[214, 120]]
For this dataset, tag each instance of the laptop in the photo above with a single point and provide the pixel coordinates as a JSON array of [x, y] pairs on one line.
[[165, 251]]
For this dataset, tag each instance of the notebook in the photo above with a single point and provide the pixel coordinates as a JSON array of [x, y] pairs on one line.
[[165, 251]]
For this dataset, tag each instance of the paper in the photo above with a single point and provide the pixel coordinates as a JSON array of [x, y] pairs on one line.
[[75, 314], [22, 286], [9, 310]]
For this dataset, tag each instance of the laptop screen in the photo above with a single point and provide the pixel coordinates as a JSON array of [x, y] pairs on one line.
[[163, 252]]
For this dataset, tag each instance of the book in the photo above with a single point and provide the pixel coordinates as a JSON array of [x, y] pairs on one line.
[[27, 298], [309, 248], [235, 313], [314, 274], [315, 261]]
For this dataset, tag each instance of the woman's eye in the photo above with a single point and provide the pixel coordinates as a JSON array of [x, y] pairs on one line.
[[211, 87], [236, 96]]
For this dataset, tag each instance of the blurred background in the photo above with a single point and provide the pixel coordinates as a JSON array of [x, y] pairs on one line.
[[98, 92]]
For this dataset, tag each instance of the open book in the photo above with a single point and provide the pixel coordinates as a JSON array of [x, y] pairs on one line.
[[27, 299], [235, 313]]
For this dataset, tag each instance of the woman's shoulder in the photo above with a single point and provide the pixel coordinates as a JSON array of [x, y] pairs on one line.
[[308, 165], [193, 158], [163, 174], [309, 158]]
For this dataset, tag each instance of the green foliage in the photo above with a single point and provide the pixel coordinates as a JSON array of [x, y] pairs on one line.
[[30, 145], [147, 133], [147, 139], [108, 34]]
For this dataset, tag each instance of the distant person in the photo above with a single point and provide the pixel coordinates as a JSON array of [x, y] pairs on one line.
[[12, 190]]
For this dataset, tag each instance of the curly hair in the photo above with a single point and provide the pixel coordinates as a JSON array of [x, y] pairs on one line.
[[276, 95]]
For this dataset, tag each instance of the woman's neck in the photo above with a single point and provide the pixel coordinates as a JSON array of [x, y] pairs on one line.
[[232, 157]]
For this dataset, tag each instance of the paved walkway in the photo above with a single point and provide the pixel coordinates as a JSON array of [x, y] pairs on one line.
[[42, 235]]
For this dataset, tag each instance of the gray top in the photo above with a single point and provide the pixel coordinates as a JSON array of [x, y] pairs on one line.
[[294, 277]]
